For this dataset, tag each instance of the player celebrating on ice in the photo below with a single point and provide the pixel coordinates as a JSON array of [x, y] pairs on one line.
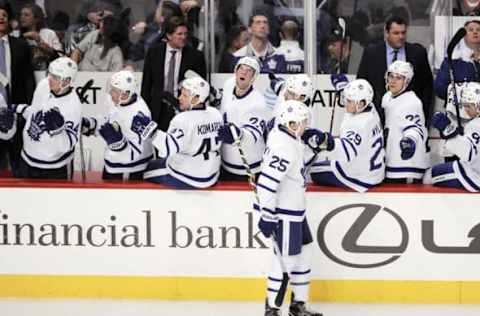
[[127, 154], [190, 150], [406, 147], [359, 154], [463, 142], [281, 202]]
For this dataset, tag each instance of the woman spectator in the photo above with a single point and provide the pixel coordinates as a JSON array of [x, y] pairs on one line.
[[100, 50], [43, 42]]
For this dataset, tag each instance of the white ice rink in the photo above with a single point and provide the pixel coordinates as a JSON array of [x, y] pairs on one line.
[[16, 307]]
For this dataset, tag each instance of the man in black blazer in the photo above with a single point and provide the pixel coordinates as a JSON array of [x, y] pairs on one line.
[[173, 55], [20, 87], [376, 59]]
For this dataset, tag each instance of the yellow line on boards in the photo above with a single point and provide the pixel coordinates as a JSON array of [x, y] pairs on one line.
[[235, 289]]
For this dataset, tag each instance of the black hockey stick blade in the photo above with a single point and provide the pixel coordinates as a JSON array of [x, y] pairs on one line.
[[454, 41]]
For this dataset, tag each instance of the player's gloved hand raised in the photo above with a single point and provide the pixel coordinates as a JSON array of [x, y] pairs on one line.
[[441, 122], [407, 146], [143, 125], [275, 83], [267, 227], [318, 140], [89, 124], [339, 81], [112, 133], [54, 121], [169, 99], [7, 118], [229, 133], [215, 97]]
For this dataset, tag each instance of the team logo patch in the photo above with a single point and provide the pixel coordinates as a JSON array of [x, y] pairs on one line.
[[304, 83], [290, 109], [129, 80]]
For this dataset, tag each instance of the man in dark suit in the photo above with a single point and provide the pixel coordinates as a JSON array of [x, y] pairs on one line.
[[377, 58], [164, 68], [17, 72]]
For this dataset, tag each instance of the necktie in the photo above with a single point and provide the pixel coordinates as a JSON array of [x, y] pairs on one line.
[[3, 68], [395, 55], [171, 73]]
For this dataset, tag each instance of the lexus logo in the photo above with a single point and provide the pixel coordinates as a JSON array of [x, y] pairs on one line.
[[350, 242]]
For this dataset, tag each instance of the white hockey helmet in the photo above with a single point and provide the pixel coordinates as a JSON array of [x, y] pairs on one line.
[[252, 62], [358, 90], [402, 68], [470, 94], [293, 111], [63, 68], [299, 85], [196, 86], [125, 82]]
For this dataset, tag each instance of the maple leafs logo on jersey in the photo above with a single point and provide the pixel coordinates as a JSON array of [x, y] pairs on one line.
[[37, 126]]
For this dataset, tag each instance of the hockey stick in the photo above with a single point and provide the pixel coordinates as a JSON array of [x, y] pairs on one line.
[[251, 177], [82, 156], [451, 46]]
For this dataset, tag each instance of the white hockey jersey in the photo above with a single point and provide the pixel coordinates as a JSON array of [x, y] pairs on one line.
[[192, 147], [42, 149], [359, 157], [281, 184], [466, 147], [135, 155], [251, 115], [404, 118]]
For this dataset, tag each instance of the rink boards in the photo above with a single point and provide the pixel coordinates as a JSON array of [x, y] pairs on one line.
[[411, 244]]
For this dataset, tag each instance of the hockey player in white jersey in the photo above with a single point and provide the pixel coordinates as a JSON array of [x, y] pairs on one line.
[[295, 87], [407, 155], [358, 160], [245, 114], [52, 125], [127, 154], [190, 150], [463, 142], [282, 205]]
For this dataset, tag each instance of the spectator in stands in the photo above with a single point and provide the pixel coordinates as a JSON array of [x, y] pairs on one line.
[[164, 68], [88, 20], [99, 50], [17, 71], [338, 52], [44, 43], [376, 58], [59, 25], [290, 47], [260, 47], [465, 61], [236, 39], [466, 7], [154, 32]]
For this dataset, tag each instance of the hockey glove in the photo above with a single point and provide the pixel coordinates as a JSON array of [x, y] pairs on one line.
[[275, 83], [339, 81], [215, 97], [407, 146], [267, 227], [318, 140], [169, 99], [441, 122], [229, 133], [112, 134], [89, 124], [54, 121], [143, 125], [7, 118]]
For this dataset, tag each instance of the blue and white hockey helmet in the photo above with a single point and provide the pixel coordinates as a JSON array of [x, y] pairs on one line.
[[63, 68], [470, 94], [358, 90], [402, 68], [299, 85], [293, 111], [124, 81], [197, 86]]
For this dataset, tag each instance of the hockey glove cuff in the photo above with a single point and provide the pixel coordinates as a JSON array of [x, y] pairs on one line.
[[441, 122]]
